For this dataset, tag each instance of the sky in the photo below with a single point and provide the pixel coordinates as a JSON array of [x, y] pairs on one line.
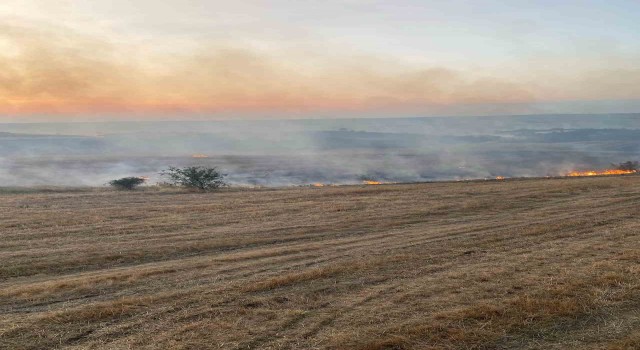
[[197, 59]]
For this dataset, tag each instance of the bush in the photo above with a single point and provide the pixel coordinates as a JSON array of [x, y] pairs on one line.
[[195, 177], [127, 183]]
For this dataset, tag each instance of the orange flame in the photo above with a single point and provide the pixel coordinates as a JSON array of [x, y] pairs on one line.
[[601, 172], [499, 177], [371, 182], [317, 185]]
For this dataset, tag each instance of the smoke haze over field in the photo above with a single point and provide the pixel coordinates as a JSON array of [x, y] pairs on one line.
[[300, 152], [79, 60]]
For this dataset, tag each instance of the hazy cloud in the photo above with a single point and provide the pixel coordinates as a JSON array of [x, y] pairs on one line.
[[52, 69], [58, 70]]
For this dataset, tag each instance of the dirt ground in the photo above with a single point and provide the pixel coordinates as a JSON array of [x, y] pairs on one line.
[[514, 264]]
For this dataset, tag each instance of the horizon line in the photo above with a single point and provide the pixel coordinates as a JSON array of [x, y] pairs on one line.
[[147, 121]]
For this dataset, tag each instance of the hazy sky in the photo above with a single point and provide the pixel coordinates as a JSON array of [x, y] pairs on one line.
[[123, 59]]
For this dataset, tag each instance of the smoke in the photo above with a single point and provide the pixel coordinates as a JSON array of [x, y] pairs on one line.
[[58, 71], [286, 153]]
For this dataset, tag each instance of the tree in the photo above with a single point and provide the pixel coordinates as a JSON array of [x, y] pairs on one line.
[[127, 183], [628, 166], [195, 177]]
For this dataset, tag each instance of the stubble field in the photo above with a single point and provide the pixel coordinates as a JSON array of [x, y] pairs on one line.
[[515, 264]]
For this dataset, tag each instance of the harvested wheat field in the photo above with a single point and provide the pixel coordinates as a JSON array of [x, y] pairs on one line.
[[516, 264]]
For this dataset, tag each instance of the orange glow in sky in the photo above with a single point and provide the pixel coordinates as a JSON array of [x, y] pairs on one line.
[[81, 58]]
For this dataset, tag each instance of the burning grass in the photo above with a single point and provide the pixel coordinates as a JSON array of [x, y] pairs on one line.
[[528, 264], [602, 172], [371, 182]]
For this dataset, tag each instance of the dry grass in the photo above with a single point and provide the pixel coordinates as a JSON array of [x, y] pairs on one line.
[[519, 264]]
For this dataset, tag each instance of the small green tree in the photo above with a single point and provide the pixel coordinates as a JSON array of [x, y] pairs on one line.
[[195, 177], [127, 183]]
